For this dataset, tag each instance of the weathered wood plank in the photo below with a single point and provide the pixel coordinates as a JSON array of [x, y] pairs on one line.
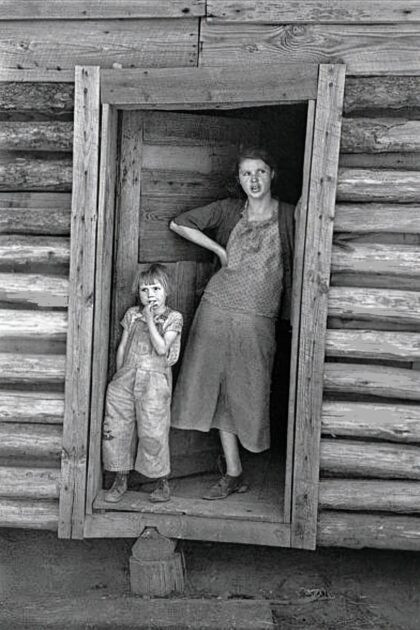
[[362, 47], [36, 136], [30, 440], [317, 11], [346, 529], [41, 221], [365, 218], [376, 185], [195, 87], [195, 159], [372, 380], [34, 289], [29, 514], [99, 9], [35, 200], [380, 135], [81, 303], [366, 459], [371, 421], [381, 93], [31, 368], [31, 172], [46, 325], [21, 251], [314, 302], [400, 307], [49, 98], [373, 344], [381, 161], [27, 483], [134, 42], [362, 495], [181, 187], [32, 407]]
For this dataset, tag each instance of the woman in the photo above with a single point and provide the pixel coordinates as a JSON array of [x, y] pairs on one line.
[[225, 378]]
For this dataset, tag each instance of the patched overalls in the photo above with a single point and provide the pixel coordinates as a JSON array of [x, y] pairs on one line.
[[139, 397]]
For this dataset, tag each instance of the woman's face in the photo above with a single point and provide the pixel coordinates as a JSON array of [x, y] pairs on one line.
[[255, 177]]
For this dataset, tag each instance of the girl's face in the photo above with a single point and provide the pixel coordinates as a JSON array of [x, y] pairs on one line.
[[153, 294], [255, 177]]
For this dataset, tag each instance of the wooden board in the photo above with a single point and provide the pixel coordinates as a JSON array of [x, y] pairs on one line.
[[30, 289], [382, 93], [373, 344], [31, 407], [380, 135], [36, 136], [29, 514], [33, 251], [31, 440], [35, 483], [315, 11], [386, 161], [377, 218], [194, 88], [31, 369], [31, 95], [37, 325], [133, 42], [102, 9], [314, 302], [28, 171], [370, 495], [81, 304], [363, 48], [377, 185], [371, 421]]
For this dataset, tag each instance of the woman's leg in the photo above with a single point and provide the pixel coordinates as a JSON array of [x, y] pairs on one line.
[[231, 452]]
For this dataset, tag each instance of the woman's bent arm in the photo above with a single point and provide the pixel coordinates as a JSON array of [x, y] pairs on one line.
[[197, 237]]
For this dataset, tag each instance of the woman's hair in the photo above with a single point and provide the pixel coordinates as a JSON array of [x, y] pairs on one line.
[[155, 273], [251, 152]]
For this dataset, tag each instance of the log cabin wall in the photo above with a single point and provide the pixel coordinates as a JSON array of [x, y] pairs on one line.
[[369, 459]]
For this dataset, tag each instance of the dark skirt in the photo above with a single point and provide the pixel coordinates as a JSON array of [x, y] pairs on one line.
[[225, 377]]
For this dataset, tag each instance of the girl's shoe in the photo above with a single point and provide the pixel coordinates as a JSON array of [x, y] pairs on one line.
[[225, 486], [161, 493], [118, 488]]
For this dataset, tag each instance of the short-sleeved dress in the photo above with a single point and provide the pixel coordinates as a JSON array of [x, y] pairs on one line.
[[225, 376]]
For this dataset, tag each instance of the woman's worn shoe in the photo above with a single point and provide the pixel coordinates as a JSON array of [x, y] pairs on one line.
[[118, 488], [161, 493], [225, 486]]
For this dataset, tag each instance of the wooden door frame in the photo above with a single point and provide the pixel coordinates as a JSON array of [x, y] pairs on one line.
[[93, 215]]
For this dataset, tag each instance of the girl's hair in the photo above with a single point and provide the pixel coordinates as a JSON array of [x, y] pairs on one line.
[[251, 152], [155, 273]]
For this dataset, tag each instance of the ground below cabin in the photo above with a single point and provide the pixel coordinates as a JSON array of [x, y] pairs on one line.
[[45, 582]]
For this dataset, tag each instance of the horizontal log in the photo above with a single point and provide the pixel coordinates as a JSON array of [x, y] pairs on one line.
[[376, 185], [36, 136], [393, 306], [347, 529], [382, 161], [381, 93], [379, 135], [375, 217], [34, 289], [373, 344], [36, 483], [45, 325], [317, 11], [366, 459], [49, 98], [31, 440], [31, 368], [363, 48], [31, 407], [371, 421], [29, 514], [131, 43], [31, 172], [372, 380], [42, 221], [22, 251], [105, 9], [369, 495]]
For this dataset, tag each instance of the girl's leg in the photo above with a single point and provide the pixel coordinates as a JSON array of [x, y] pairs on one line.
[[231, 452]]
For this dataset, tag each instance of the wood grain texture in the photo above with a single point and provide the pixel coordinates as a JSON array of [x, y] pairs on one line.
[[30, 289], [314, 302], [372, 380], [29, 171], [372, 421], [41, 221], [36, 136], [315, 11], [29, 483], [31, 369], [99, 9], [29, 514], [373, 344], [380, 135], [377, 185], [377, 217], [393, 306], [193, 88], [381, 161], [21, 251], [365, 459], [363, 48], [135, 42], [346, 529], [31, 440], [50, 98], [81, 303], [382, 93], [35, 325], [31, 407], [369, 496]]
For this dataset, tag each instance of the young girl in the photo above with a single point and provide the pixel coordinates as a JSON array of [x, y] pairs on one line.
[[140, 391]]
